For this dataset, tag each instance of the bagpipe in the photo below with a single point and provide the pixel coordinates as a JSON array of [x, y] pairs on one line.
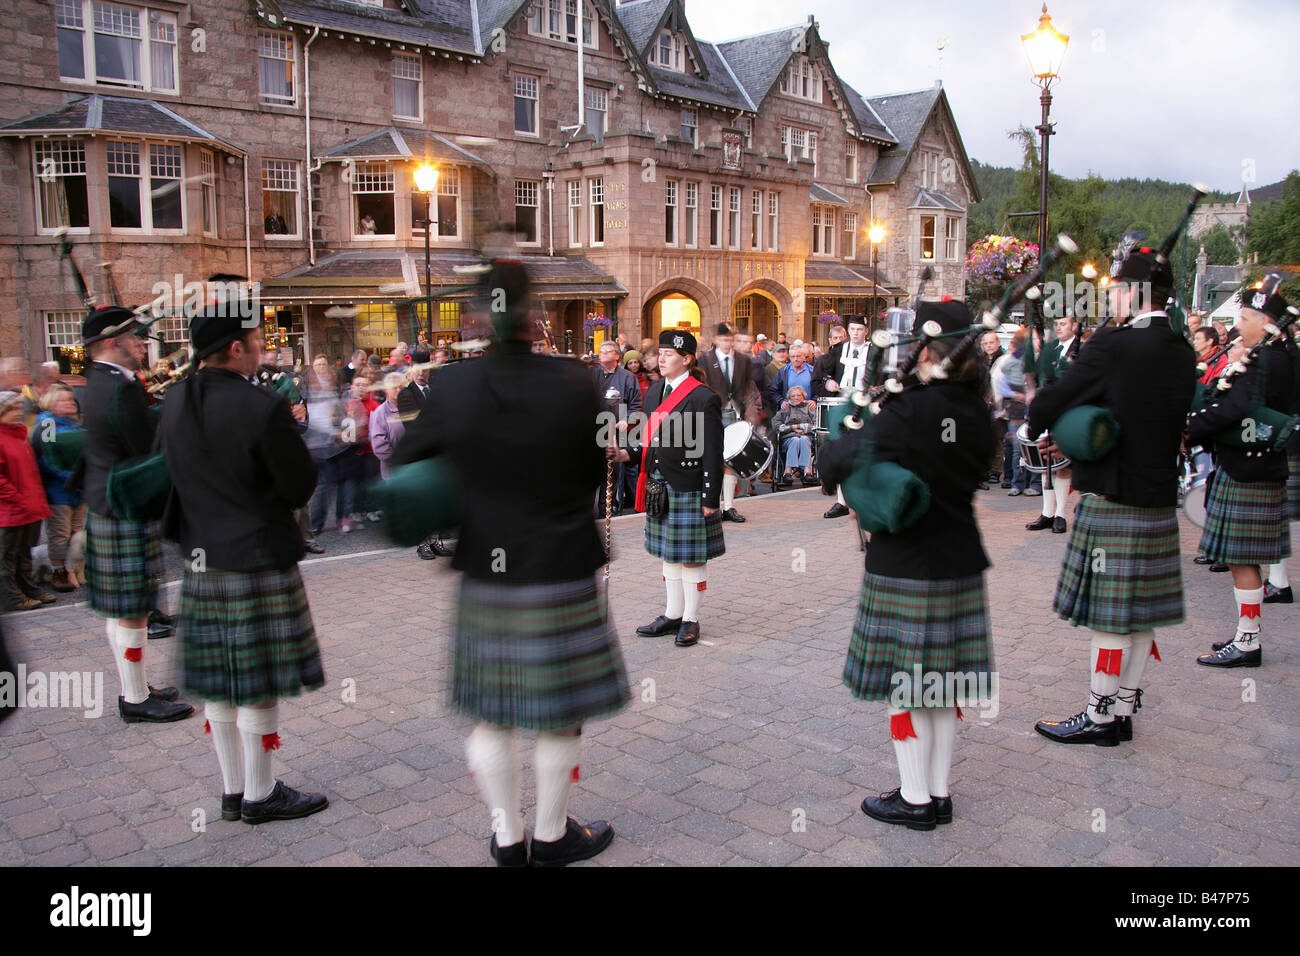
[[885, 495]]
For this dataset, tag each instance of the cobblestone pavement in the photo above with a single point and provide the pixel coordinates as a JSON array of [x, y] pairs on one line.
[[745, 750]]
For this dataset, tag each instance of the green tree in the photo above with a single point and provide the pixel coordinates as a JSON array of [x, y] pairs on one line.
[[1274, 231]]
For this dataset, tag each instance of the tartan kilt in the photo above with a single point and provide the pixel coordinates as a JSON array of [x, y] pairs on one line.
[[908, 629], [1246, 521], [1122, 570], [538, 656], [247, 636], [1293, 486], [684, 535], [124, 565]]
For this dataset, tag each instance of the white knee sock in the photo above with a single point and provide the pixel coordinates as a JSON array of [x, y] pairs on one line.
[[257, 726], [1249, 601], [673, 584], [839, 497], [1049, 502], [1130, 677], [694, 582], [912, 736], [943, 724], [493, 755], [728, 490], [130, 666], [1277, 576], [1062, 493], [225, 738], [555, 759], [110, 628], [1107, 662]]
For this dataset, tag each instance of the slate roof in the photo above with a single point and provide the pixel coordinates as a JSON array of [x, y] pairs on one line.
[[847, 279], [905, 114], [445, 24], [718, 90], [113, 114], [393, 143], [869, 121], [933, 199], [757, 61], [640, 19], [823, 195]]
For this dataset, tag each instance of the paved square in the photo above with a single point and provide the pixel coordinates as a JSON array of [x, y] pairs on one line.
[[746, 750]]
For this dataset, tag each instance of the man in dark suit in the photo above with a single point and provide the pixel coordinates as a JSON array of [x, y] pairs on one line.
[[534, 644], [1143, 372], [840, 371], [731, 376], [411, 401], [239, 468]]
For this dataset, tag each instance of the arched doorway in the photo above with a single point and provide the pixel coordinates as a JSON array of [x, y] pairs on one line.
[[760, 306], [679, 303]]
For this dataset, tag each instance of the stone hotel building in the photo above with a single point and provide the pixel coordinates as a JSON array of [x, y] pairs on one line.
[[651, 177]]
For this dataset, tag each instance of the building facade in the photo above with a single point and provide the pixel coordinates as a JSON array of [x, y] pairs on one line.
[[650, 178]]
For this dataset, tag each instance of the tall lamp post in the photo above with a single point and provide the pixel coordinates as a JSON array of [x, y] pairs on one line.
[[426, 181], [876, 234]]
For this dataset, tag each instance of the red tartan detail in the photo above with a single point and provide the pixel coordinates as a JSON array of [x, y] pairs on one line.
[[574, 776], [270, 742], [207, 727], [900, 726], [1250, 610], [701, 585], [1155, 651], [959, 714], [1108, 662]]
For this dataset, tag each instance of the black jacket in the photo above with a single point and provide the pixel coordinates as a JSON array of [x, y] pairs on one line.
[[687, 448], [737, 392], [829, 368], [239, 469], [119, 427], [911, 430], [521, 431], [1145, 375], [1268, 379], [411, 401]]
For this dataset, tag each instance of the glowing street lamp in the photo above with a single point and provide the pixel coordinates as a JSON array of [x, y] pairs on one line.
[[426, 181], [877, 235]]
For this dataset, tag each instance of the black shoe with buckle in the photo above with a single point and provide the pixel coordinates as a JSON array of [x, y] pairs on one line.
[[231, 806], [837, 510], [688, 634], [578, 843], [892, 808], [1274, 595], [284, 803], [1041, 523], [942, 809], [153, 710], [164, 693], [731, 514], [660, 627], [1079, 729], [514, 855], [1233, 656]]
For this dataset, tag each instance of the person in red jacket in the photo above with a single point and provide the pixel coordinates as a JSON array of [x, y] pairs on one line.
[[22, 507]]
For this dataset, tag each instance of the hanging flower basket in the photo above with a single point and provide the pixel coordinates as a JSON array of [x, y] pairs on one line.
[[595, 321], [999, 260], [828, 318]]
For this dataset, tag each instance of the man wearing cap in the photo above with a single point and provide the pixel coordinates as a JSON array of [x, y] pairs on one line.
[[1246, 515], [534, 646], [123, 557], [1121, 576], [239, 468], [1051, 365], [731, 376], [841, 371], [681, 445], [921, 638]]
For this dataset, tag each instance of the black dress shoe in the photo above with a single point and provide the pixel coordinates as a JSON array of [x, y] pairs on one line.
[[1219, 567], [660, 626], [837, 510], [1058, 525], [425, 552], [731, 514], [1041, 523], [231, 804], [1232, 656], [578, 843], [514, 855], [1079, 729], [153, 710], [1274, 595], [284, 803], [159, 630], [164, 693], [892, 808], [688, 634], [942, 809], [1201, 559], [1125, 725]]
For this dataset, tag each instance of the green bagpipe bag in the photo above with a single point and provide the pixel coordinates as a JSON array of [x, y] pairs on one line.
[[886, 496], [138, 489], [418, 499], [1086, 433], [61, 447], [1261, 428]]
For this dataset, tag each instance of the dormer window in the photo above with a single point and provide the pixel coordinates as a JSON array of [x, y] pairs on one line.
[[802, 79], [558, 20], [667, 52]]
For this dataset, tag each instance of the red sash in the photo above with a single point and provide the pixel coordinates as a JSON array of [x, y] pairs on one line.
[[652, 427]]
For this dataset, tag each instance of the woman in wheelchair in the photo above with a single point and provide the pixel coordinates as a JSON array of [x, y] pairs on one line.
[[794, 431]]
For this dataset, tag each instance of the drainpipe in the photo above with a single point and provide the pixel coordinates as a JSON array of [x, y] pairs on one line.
[[248, 226], [307, 170]]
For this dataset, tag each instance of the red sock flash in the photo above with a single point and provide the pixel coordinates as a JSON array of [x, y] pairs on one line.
[[1108, 662], [900, 726]]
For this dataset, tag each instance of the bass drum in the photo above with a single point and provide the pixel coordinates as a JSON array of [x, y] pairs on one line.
[[745, 451], [1193, 485]]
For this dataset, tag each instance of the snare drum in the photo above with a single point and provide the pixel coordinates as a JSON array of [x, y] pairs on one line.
[[1032, 458], [745, 451], [831, 412], [1193, 487]]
